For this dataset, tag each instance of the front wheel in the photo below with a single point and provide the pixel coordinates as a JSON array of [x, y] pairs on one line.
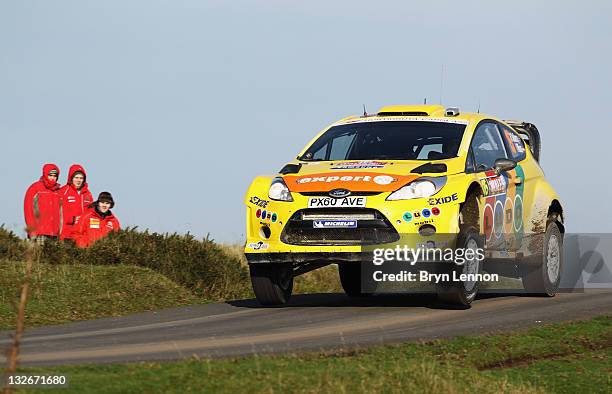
[[464, 292], [272, 283], [545, 277]]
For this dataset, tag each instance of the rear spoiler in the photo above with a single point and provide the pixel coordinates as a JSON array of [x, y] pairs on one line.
[[530, 134]]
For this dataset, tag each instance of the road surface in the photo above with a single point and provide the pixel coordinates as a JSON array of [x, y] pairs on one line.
[[309, 322]]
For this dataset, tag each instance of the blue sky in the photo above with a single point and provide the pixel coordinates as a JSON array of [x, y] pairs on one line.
[[174, 106]]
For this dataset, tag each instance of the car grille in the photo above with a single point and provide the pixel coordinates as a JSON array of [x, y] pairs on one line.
[[372, 228]]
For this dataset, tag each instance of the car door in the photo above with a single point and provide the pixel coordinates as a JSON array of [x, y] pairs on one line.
[[500, 213], [516, 149]]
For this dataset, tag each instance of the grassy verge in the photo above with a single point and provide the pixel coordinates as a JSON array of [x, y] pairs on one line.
[[561, 358], [64, 293]]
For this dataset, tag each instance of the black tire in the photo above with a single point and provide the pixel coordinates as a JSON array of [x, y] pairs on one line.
[[544, 278], [350, 278], [272, 283], [463, 293]]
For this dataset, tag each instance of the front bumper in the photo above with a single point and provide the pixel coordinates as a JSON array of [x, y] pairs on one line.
[[279, 234]]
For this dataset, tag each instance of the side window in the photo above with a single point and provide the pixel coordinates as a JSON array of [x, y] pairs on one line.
[[487, 146], [514, 144]]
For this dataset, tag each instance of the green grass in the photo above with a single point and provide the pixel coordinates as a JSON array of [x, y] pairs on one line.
[[64, 293], [562, 358], [67, 293]]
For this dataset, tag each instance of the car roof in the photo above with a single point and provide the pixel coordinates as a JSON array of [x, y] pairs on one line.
[[423, 111]]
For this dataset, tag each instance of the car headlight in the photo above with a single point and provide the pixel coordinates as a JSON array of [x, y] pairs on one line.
[[415, 189], [279, 191]]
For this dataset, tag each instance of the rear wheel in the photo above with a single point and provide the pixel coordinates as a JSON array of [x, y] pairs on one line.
[[350, 278], [545, 277], [464, 292], [272, 283]]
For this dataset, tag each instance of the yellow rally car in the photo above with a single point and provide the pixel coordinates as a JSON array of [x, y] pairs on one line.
[[415, 171]]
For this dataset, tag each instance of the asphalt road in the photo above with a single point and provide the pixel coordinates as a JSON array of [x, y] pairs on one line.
[[310, 322]]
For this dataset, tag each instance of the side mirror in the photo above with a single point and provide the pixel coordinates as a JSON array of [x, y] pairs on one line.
[[502, 165]]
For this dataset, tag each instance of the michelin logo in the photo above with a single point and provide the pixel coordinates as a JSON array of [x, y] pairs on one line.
[[334, 224]]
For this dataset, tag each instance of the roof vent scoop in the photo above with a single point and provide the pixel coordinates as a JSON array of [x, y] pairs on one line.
[[451, 111]]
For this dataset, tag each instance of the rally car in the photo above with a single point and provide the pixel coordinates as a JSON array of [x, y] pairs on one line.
[[420, 170]]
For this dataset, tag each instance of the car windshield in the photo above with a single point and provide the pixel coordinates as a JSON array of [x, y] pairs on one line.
[[388, 140]]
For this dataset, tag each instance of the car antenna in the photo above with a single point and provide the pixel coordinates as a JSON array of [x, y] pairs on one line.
[[478, 105], [441, 83], [365, 113], [425, 100]]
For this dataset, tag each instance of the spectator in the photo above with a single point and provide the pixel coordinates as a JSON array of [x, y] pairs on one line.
[[96, 223], [42, 204], [76, 197]]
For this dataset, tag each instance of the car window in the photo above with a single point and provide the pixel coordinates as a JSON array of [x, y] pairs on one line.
[[398, 140], [320, 153], [340, 146], [514, 144], [431, 151], [487, 146]]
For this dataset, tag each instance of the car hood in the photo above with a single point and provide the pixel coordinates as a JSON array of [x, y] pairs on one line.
[[357, 176]]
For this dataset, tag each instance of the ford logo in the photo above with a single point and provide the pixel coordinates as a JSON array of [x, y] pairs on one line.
[[339, 193]]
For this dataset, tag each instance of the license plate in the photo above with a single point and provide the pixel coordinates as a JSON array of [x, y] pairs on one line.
[[330, 202], [334, 224]]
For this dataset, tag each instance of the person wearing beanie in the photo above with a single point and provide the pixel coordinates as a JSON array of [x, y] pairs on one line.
[[76, 197], [42, 205], [96, 223]]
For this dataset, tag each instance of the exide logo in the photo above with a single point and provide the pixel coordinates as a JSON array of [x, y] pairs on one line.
[[339, 193]]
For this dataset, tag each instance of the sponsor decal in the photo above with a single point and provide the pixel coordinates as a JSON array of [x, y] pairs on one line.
[[443, 200], [109, 225], [258, 245], [429, 221], [518, 213], [266, 216], [259, 202], [327, 202], [361, 181], [384, 179], [357, 165], [71, 199], [94, 223], [404, 119], [379, 179], [494, 185], [423, 213], [338, 193], [334, 224], [517, 144]]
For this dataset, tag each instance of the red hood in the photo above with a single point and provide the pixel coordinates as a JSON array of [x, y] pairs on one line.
[[77, 168], [45, 171]]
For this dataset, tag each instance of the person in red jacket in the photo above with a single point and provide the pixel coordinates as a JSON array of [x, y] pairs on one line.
[[97, 223], [76, 197], [42, 205]]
